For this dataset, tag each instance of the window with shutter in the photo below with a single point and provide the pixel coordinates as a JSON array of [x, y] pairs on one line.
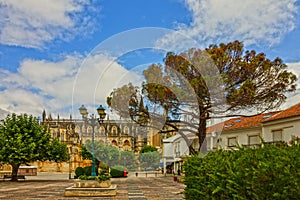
[[253, 139], [277, 135]]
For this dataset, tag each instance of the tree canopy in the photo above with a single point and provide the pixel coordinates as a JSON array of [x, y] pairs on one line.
[[24, 140], [150, 159], [108, 154], [148, 148], [128, 160], [194, 86]]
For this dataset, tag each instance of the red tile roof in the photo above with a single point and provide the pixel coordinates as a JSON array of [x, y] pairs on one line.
[[290, 112], [241, 122], [256, 120]]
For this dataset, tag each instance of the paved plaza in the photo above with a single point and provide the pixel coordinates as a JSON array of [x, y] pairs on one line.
[[52, 186]]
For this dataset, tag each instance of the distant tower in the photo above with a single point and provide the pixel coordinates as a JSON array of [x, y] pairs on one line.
[[44, 115]]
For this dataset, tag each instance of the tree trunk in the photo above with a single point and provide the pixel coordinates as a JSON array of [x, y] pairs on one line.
[[202, 136], [14, 173]]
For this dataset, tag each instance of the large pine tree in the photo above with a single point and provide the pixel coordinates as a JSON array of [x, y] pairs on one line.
[[197, 85]]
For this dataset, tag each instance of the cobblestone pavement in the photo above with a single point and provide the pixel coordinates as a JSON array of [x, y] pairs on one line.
[[52, 186]]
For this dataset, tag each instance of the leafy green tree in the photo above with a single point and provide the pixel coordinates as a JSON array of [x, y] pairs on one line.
[[58, 151], [149, 159], [148, 148], [128, 160], [24, 140], [85, 153], [194, 86], [108, 154]]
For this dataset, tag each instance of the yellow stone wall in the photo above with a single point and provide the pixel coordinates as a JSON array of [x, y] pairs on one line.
[[49, 166]]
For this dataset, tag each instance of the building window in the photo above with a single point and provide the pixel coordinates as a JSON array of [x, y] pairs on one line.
[[89, 130], [232, 141], [77, 129], [211, 142], [114, 130], [277, 135], [102, 130], [177, 149], [114, 142], [253, 139], [62, 139], [126, 145], [126, 130], [208, 142]]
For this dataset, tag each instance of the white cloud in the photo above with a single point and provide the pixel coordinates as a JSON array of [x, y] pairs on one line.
[[263, 22], [294, 97], [98, 75], [40, 84], [31, 23]]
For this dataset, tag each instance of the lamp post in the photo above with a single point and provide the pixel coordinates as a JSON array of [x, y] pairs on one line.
[[70, 139], [70, 164], [93, 119]]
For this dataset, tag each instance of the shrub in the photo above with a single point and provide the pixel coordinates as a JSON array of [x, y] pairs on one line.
[[96, 178], [103, 169], [79, 171], [269, 172], [117, 171], [88, 171]]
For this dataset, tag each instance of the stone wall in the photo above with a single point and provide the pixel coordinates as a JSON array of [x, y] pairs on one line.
[[49, 166], [65, 167]]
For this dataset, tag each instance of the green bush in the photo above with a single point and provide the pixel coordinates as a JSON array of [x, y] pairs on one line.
[[79, 171], [96, 178], [88, 171], [269, 172], [103, 169], [117, 171]]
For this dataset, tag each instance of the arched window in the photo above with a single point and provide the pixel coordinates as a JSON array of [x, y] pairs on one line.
[[114, 130], [77, 129], [102, 130], [62, 138], [126, 145], [89, 130], [114, 142], [126, 130]]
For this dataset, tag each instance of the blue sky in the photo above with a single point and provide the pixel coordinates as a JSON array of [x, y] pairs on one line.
[[59, 54]]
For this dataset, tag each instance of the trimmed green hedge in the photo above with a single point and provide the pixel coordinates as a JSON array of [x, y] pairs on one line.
[[117, 171], [269, 172], [88, 171], [79, 172]]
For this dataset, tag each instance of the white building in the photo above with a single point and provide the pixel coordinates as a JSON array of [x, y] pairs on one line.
[[271, 127], [175, 148]]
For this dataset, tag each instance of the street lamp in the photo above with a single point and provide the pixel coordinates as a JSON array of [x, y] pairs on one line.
[[93, 119], [70, 164]]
